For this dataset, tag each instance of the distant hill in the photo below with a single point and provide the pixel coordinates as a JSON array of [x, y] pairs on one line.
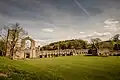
[[77, 44], [66, 44]]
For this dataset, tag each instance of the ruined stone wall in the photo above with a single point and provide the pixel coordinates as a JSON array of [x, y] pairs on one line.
[[56, 53], [20, 53]]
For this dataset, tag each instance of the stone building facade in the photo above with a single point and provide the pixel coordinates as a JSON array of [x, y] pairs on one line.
[[21, 51]]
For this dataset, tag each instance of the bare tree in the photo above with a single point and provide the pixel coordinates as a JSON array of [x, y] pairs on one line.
[[11, 34], [2, 48], [96, 42], [116, 37]]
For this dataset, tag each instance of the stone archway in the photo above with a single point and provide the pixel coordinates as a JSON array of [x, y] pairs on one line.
[[32, 53]]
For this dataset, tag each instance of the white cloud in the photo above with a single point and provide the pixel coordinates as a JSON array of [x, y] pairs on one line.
[[40, 42], [82, 32], [98, 35], [47, 30], [107, 33], [111, 21], [111, 25], [101, 34]]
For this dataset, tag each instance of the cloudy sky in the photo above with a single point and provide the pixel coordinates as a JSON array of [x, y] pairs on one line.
[[53, 20]]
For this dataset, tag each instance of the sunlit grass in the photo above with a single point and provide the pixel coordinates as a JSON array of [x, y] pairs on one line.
[[62, 68]]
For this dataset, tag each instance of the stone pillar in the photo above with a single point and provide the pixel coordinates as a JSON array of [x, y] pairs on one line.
[[31, 55], [33, 52], [22, 54], [8, 51]]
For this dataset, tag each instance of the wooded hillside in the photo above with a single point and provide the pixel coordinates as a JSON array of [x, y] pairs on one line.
[[67, 44], [113, 43]]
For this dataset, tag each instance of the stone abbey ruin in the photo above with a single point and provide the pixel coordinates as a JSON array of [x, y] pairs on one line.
[[22, 52], [35, 52]]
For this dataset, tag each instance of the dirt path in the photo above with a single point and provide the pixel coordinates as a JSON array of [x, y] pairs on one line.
[[2, 74]]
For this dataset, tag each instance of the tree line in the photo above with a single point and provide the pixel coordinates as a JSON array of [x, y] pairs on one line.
[[96, 43], [67, 44]]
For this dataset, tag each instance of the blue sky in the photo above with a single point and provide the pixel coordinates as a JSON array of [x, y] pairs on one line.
[[53, 20]]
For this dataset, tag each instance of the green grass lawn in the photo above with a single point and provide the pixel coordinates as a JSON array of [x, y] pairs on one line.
[[62, 68]]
